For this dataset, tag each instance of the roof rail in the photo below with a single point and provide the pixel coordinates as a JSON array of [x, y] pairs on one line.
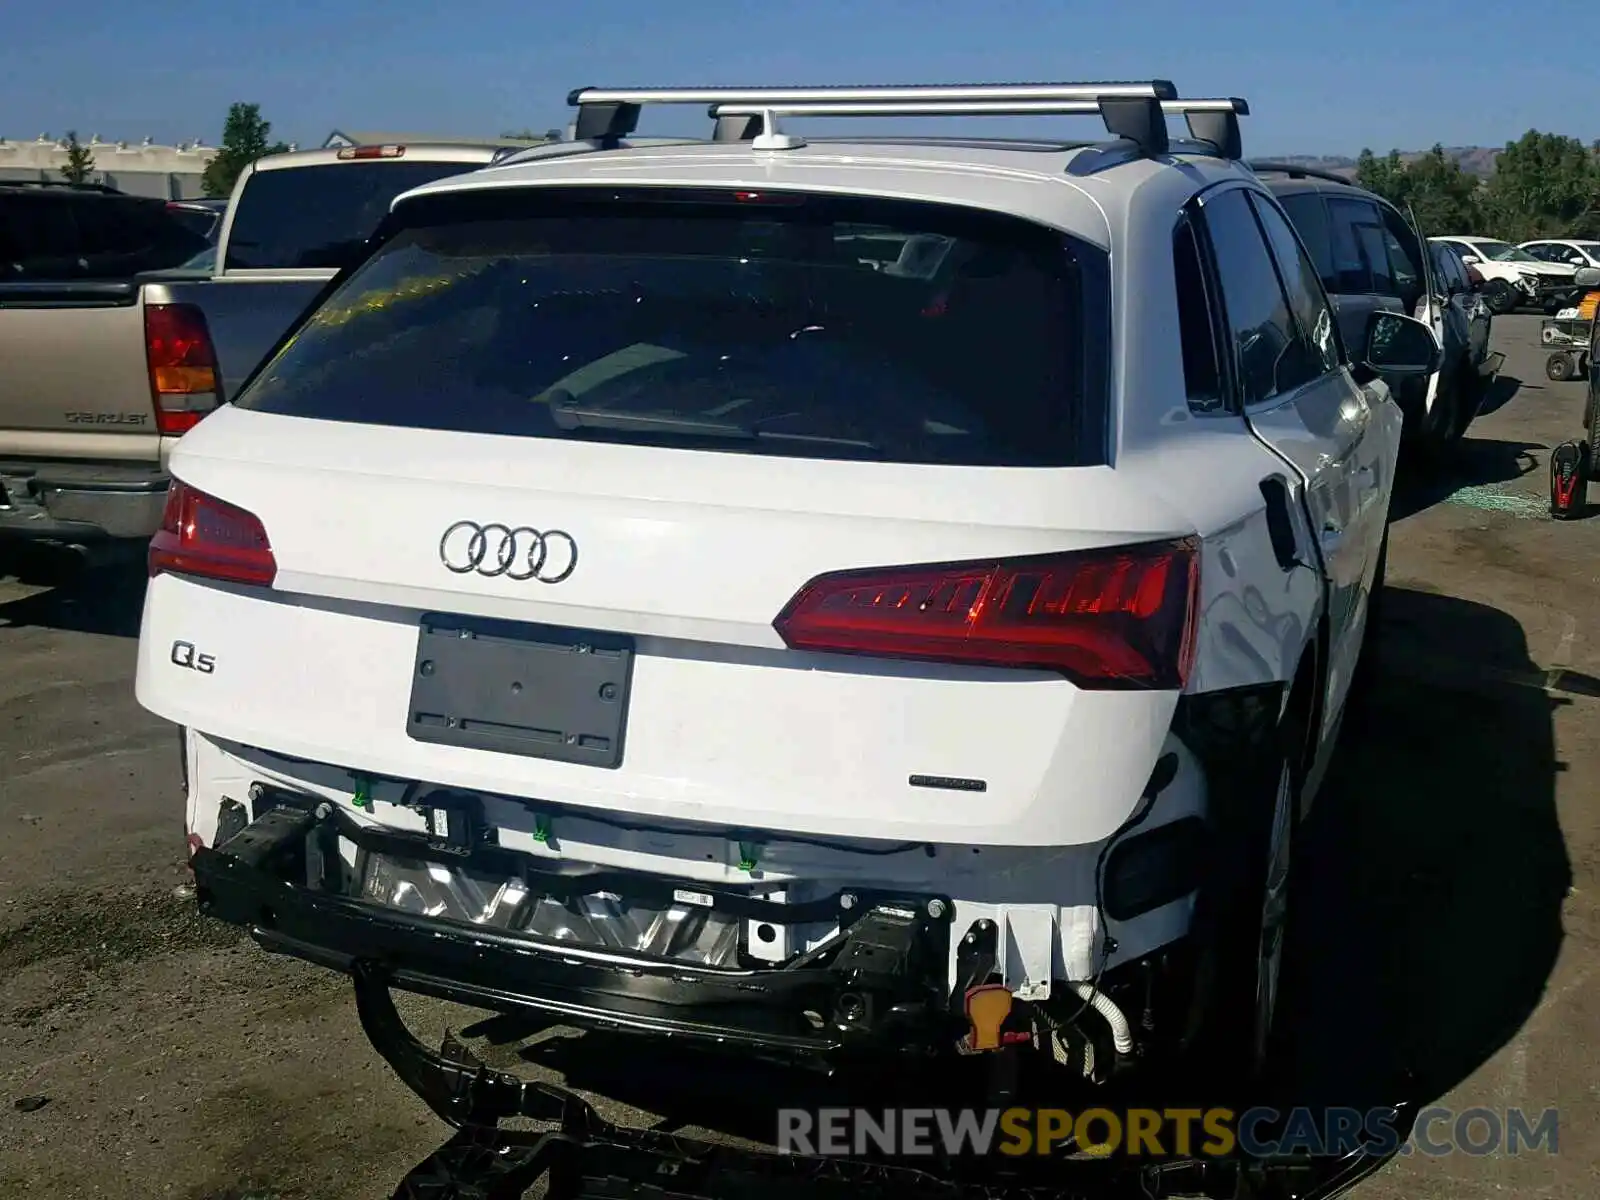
[[1131, 110], [1212, 121], [1262, 166]]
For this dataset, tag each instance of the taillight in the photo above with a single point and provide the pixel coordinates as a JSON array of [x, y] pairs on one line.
[[201, 535], [183, 365], [1117, 618]]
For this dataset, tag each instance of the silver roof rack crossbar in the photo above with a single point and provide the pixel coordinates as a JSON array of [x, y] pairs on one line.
[[609, 114], [1214, 121]]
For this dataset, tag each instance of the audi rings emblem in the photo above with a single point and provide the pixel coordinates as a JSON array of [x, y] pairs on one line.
[[518, 552]]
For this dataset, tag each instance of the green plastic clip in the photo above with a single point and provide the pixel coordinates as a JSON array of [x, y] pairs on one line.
[[362, 798], [749, 853], [542, 829]]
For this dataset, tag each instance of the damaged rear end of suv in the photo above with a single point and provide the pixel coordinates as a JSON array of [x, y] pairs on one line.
[[753, 593]]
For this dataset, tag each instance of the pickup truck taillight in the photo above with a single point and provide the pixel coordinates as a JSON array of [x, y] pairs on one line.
[[183, 365], [212, 539]]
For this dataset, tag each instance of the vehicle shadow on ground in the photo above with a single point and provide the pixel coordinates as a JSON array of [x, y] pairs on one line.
[[1434, 869], [1432, 874], [100, 593], [1473, 462], [1502, 388]]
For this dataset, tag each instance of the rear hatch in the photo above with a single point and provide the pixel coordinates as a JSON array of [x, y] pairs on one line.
[[551, 498]]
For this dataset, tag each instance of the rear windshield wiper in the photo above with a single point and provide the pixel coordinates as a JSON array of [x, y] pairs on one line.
[[570, 417]]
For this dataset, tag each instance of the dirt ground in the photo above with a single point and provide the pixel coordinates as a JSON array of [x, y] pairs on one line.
[[1447, 950]]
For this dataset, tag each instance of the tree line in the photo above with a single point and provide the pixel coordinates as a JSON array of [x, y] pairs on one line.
[[1544, 185]]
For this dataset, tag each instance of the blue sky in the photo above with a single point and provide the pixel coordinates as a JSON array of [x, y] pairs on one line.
[[1325, 78]]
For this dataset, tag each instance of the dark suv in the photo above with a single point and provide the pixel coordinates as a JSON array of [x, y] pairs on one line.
[[1370, 257], [61, 232]]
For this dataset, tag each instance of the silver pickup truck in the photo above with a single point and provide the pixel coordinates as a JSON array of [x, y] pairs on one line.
[[107, 358]]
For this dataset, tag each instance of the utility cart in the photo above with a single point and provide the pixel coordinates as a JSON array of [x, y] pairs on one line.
[[1567, 336]]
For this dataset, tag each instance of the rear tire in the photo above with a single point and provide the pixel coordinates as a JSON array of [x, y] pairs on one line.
[[1246, 923]]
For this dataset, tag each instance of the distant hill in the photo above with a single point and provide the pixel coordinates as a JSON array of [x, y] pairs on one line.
[[1474, 160]]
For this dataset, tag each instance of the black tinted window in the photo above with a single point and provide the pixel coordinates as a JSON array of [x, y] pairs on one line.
[[1270, 355], [1405, 256], [1374, 243], [808, 327], [122, 236], [319, 216], [61, 235], [1452, 276], [38, 237], [1352, 268], [1313, 315], [1310, 221], [1200, 373]]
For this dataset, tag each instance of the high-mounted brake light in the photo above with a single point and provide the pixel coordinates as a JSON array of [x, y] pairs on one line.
[[1116, 618], [212, 539], [359, 152], [182, 363]]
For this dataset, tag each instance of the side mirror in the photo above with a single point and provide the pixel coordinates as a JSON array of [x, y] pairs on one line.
[[1399, 345], [1470, 258], [1588, 277]]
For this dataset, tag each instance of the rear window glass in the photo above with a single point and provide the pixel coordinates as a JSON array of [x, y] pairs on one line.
[[319, 216], [801, 326], [60, 236]]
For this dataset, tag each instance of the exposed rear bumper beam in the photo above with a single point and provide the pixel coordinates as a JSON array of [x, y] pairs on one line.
[[880, 988]]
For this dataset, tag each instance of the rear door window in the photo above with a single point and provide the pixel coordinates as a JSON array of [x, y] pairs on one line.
[[1318, 332], [1405, 262], [797, 325], [1311, 223], [1271, 354], [1351, 248], [320, 216], [1453, 275]]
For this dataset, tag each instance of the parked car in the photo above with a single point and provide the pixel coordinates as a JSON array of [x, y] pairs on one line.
[[108, 364], [709, 628], [1513, 277], [1575, 253], [1467, 325], [79, 446], [1369, 256]]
